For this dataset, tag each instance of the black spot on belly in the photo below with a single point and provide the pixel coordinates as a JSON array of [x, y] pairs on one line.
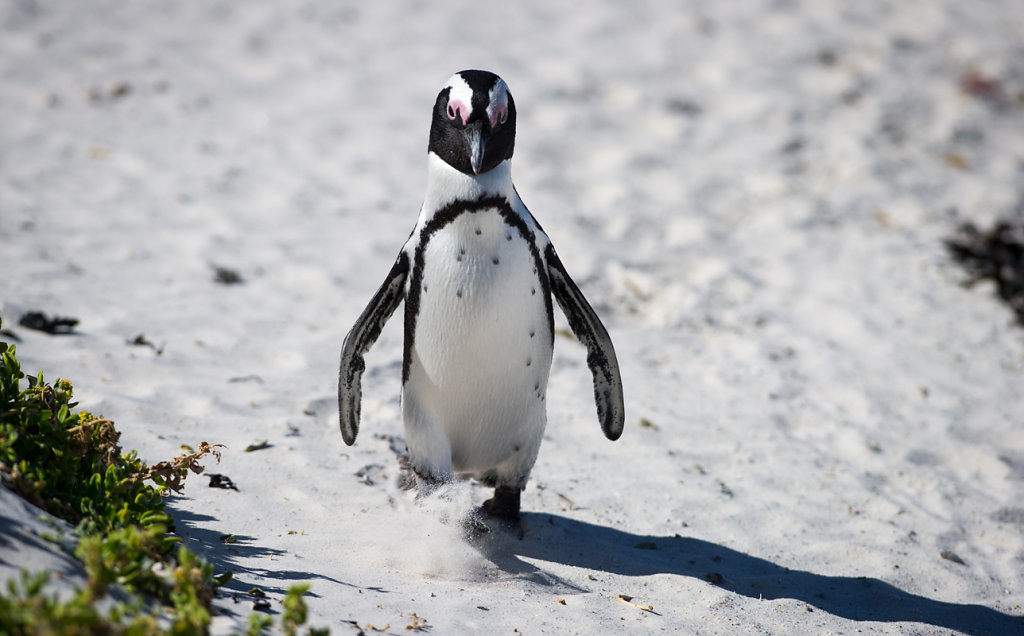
[[495, 260], [478, 231], [532, 333], [533, 292], [529, 362], [459, 293]]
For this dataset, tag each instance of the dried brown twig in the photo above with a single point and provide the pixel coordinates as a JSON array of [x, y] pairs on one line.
[[171, 475]]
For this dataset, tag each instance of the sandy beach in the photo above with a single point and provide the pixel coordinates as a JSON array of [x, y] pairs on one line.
[[824, 427]]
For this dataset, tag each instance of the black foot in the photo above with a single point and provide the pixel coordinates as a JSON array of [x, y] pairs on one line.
[[411, 479], [474, 528], [504, 504], [406, 473], [501, 512]]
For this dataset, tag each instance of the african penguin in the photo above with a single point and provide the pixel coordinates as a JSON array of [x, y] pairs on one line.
[[477, 275]]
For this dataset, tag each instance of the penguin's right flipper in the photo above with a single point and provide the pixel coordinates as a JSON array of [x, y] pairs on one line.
[[359, 340]]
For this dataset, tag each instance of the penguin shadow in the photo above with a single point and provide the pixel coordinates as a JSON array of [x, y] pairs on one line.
[[234, 553], [557, 539]]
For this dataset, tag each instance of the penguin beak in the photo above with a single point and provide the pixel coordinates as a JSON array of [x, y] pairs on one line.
[[476, 144]]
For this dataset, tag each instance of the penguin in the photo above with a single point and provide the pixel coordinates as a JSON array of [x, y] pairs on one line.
[[477, 275]]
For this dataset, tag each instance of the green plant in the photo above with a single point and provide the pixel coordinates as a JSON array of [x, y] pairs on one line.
[[293, 616], [27, 609], [71, 465]]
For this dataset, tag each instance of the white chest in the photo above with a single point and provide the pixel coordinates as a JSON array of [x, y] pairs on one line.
[[482, 311], [481, 350]]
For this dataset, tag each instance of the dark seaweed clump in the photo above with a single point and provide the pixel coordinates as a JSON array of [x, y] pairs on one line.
[[997, 255], [56, 325]]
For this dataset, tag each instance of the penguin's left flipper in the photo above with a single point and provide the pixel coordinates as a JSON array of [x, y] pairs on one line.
[[600, 353], [359, 340]]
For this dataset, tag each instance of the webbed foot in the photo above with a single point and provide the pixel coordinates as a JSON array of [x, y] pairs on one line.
[[503, 510]]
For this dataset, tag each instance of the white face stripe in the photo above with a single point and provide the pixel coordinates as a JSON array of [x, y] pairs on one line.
[[497, 106], [460, 98]]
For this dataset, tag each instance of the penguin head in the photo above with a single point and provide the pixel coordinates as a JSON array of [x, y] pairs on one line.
[[474, 123]]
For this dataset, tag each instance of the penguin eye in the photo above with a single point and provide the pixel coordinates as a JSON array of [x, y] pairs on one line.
[[457, 111], [499, 115]]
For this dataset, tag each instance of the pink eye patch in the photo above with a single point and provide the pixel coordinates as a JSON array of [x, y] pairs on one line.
[[457, 109], [499, 114]]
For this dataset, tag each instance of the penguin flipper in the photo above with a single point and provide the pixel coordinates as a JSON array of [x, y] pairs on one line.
[[359, 340], [600, 353]]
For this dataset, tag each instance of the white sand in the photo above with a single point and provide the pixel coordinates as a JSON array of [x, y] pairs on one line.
[[752, 194]]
